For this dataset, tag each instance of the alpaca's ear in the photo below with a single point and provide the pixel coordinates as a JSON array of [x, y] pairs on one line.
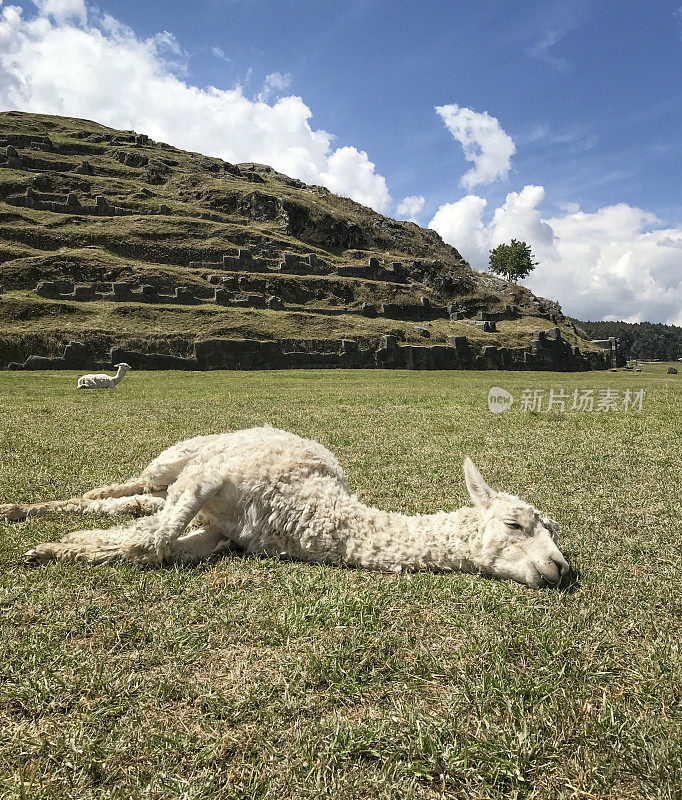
[[480, 492]]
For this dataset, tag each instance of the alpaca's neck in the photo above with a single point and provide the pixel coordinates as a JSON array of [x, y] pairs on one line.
[[118, 377], [383, 540]]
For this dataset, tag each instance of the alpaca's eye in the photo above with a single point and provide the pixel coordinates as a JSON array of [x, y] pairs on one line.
[[515, 526]]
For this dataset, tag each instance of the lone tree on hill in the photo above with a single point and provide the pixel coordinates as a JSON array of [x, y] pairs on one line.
[[512, 261]]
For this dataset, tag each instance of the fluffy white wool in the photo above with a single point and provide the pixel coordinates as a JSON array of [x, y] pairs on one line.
[[103, 381], [268, 491]]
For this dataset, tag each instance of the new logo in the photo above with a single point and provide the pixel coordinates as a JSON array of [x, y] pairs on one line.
[[499, 400]]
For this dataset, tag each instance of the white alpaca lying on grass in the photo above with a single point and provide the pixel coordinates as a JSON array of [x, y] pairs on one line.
[[103, 381], [271, 492]]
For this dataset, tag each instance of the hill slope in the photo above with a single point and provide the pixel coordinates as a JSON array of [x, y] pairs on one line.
[[83, 204]]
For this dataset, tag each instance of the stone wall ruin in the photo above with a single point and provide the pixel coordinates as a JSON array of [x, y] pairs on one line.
[[549, 351]]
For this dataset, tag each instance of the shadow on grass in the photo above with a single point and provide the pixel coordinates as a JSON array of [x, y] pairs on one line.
[[570, 583]]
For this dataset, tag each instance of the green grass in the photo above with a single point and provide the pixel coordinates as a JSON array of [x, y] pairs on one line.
[[256, 678]]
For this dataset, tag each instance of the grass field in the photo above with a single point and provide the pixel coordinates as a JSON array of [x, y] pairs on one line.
[[255, 678]]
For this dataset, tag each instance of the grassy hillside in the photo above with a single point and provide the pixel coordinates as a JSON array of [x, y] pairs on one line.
[[36, 325], [181, 208], [251, 677], [257, 206]]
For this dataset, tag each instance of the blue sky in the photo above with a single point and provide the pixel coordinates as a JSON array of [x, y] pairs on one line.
[[590, 92], [585, 95]]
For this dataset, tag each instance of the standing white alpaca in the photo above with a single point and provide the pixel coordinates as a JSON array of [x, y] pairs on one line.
[[268, 491], [103, 381]]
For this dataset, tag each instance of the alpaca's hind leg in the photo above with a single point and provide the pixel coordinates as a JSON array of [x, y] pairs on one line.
[[198, 545], [139, 505], [178, 513], [87, 552], [156, 542], [165, 469], [152, 540]]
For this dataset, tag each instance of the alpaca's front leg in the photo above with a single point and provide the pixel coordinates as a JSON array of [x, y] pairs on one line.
[[86, 553], [18, 512], [155, 479], [124, 542], [111, 504], [177, 514], [127, 489]]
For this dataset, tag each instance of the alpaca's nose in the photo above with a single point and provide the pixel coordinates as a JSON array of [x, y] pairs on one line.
[[562, 564], [551, 572], [553, 569], [559, 567]]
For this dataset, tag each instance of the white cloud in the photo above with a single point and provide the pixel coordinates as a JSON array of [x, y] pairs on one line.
[[62, 9], [410, 207], [274, 84], [483, 141], [56, 63], [461, 225], [542, 49], [671, 241], [557, 21], [612, 263], [350, 173], [539, 131], [519, 212], [218, 52], [277, 81]]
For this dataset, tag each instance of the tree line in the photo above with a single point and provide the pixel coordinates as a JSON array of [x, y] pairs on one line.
[[640, 340]]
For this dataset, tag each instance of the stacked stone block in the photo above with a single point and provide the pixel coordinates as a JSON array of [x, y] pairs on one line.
[[546, 353]]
